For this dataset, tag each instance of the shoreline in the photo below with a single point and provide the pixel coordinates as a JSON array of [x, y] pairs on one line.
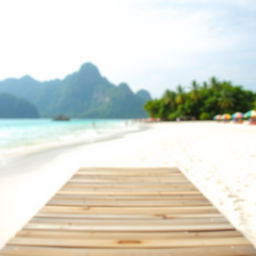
[[44, 153], [7, 158], [222, 167]]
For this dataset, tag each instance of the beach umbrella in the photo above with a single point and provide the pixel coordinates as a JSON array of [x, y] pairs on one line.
[[237, 115], [250, 114], [226, 117], [217, 117]]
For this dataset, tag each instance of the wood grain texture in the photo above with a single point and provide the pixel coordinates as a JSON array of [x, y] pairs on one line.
[[128, 211]]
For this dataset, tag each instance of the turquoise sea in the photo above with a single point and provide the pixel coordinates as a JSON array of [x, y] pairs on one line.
[[19, 136]]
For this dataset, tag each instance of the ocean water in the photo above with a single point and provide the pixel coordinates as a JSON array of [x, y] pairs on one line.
[[21, 136]]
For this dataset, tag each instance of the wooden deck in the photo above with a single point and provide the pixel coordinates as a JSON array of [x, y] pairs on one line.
[[138, 212]]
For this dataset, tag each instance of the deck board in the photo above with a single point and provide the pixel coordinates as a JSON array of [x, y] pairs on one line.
[[123, 211]]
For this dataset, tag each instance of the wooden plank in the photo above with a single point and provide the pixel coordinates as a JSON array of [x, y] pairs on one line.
[[128, 192], [129, 181], [121, 189], [131, 210], [131, 197], [113, 185], [131, 178], [113, 211], [141, 222], [52, 251], [128, 228], [134, 243], [125, 235], [125, 184], [126, 216], [128, 169], [131, 189], [129, 203], [129, 173]]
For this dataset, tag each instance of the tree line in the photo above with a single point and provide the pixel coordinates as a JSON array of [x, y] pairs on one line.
[[201, 101]]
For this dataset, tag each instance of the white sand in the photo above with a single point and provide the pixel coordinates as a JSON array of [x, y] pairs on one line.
[[219, 158]]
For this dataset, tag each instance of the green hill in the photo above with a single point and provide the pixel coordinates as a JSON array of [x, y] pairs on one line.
[[83, 94], [13, 107]]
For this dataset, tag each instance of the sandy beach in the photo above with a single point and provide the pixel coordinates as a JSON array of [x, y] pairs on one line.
[[220, 159]]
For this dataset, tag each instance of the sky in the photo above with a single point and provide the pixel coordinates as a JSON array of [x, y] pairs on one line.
[[150, 44]]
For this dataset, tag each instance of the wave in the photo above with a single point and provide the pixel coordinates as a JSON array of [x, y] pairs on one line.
[[22, 137]]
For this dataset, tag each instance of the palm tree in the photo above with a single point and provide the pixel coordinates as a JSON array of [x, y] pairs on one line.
[[180, 97], [225, 101], [194, 91], [205, 85], [214, 83], [152, 107], [169, 99], [195, 97]]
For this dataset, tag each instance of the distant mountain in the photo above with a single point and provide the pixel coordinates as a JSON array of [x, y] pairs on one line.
[[143, 94], [13, 107], [83, 94]]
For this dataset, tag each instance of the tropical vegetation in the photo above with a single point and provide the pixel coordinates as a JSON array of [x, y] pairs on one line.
[[201, 101]]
